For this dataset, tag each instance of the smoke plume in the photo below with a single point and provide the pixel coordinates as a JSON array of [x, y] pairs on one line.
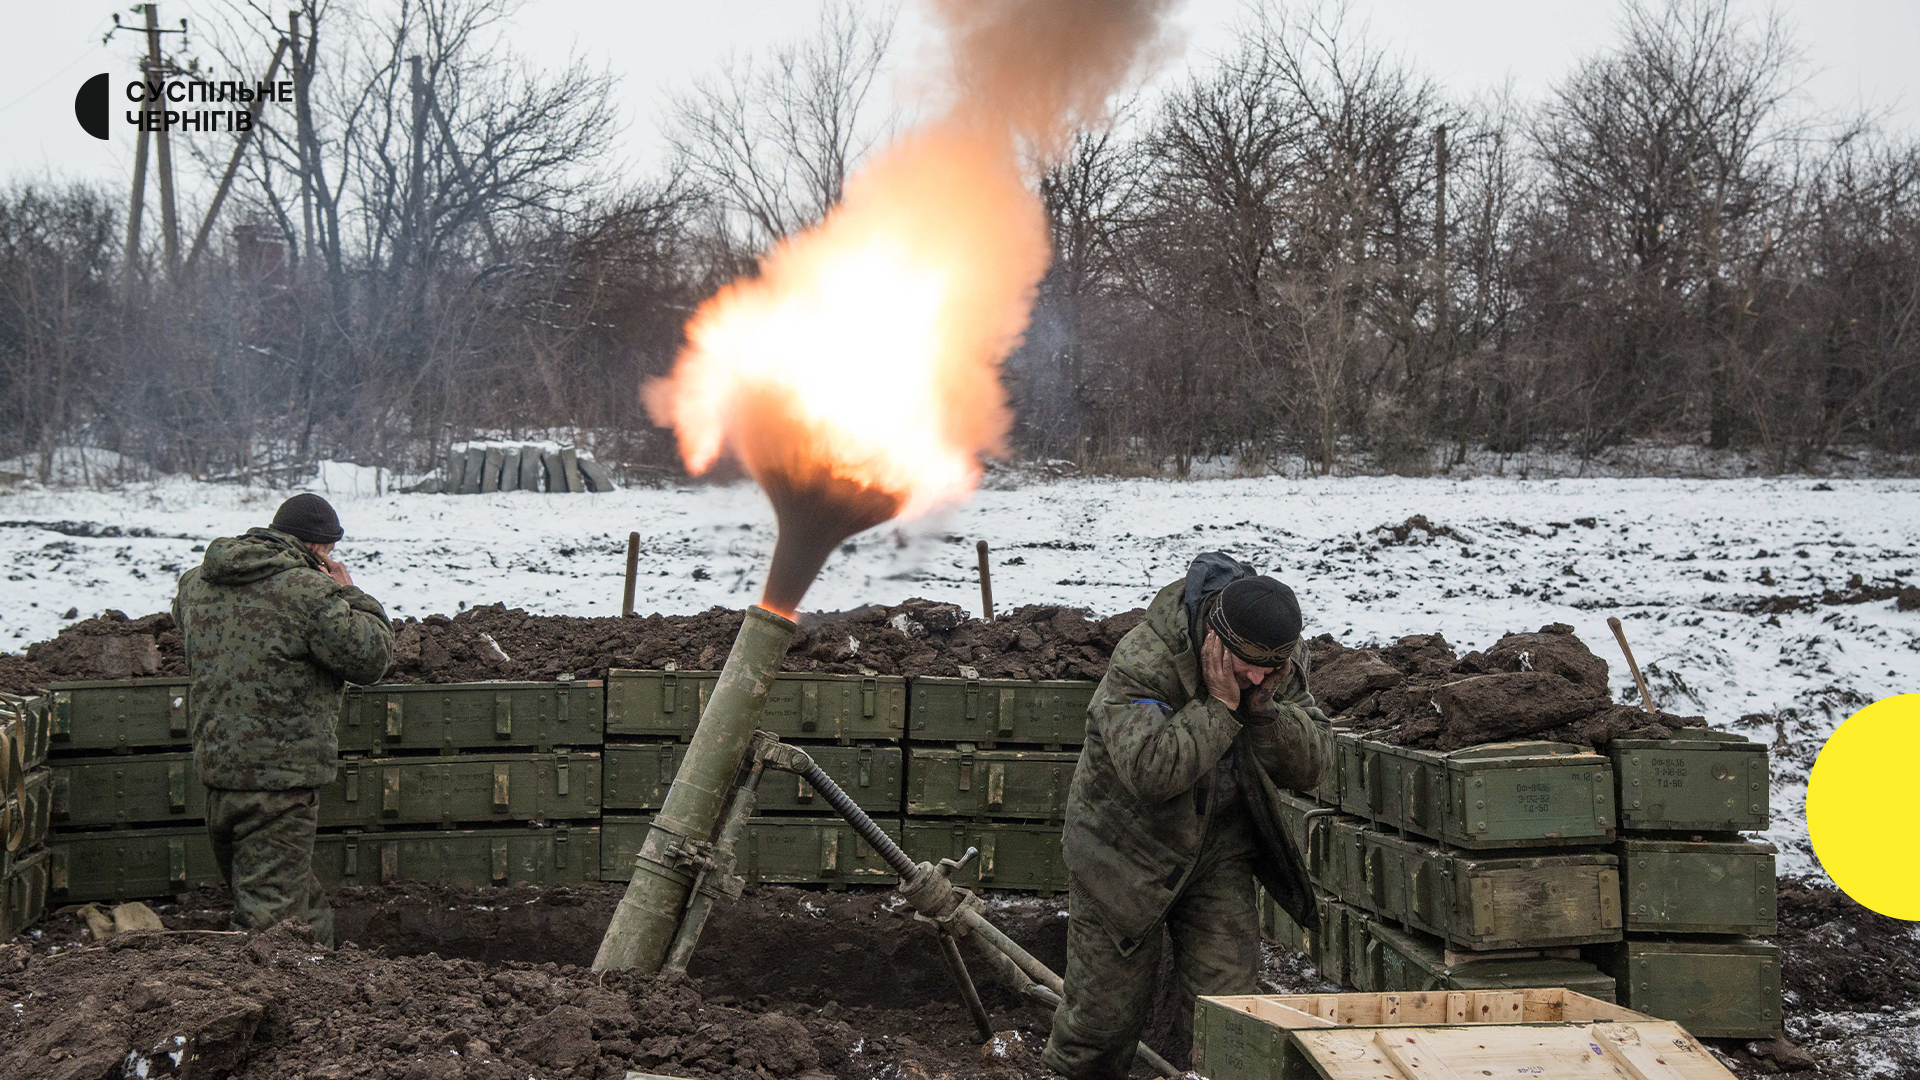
[[855, 375]]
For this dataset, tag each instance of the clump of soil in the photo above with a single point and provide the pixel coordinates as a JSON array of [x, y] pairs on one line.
[[1858, 590], [1418, 692]]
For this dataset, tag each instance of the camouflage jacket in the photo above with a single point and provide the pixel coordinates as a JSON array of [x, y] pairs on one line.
[[1157, 748], [271, 642]]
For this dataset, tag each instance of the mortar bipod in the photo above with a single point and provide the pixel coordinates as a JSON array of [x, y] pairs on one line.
[[929, 889]]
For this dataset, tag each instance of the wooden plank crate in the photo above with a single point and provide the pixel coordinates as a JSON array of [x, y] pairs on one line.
[[1680, 886], [1717, 987], [474, 858], [1045, 713], [842, 708], [637, 776], [1548, 1033], [1699, 780], [1496, 795], [469, 789], [782, 850], [455, 717], [1010, 783], [1011, 855], [118, 715]]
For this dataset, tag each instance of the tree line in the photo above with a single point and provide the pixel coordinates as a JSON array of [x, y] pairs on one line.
[[1302, 249]]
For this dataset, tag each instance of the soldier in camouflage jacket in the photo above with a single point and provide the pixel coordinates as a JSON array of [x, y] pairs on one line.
[[1171, 816], [274, 630]]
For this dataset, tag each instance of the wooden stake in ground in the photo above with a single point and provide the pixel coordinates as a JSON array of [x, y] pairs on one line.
[[986, 582], [633, 567], [1620, 635]]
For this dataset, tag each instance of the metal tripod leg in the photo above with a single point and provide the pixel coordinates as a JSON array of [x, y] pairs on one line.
[[933, 896], [958, 966]]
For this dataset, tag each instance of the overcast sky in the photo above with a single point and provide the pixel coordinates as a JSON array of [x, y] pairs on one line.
[[1861, 53]]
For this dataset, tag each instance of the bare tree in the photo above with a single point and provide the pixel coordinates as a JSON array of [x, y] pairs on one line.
[[775, 136]]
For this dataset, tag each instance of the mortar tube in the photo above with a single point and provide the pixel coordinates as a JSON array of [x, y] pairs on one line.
[[648, 917]]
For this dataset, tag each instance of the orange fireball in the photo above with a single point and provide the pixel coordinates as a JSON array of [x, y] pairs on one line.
[[864, 357]]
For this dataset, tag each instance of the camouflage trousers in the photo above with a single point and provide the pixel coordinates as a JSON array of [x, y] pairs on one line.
[[1215, 931], [263, 841]]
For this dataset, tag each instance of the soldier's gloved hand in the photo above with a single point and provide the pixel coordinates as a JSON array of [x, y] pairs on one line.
[[1216, 669]]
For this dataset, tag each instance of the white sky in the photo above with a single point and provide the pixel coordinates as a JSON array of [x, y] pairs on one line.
[[1861, 53]]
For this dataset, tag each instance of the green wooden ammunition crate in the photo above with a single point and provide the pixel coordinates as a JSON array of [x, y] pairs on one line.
[[638, 774], [1496, 795], [122, 790], [129, 864], [452, 717], [1277, 927], [988, 712], [1715, 988], [989, 783], [1011, 856], [1330, 949], [1328, 790], [783, 850], [1483, 901], [27, 722], [23, 893], [847, 708], [39, 787], [473, 858], [119, 714], [1698, 781], [1305, 823], [1407, 960], [1676, 886], [468, 789], [1353, 774]]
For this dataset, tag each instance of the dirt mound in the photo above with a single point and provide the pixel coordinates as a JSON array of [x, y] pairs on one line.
[[1840, 957], [1417, 692], [112, 646], [918, 637], [786, 984]]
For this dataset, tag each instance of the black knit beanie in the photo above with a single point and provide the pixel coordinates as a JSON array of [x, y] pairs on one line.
[[1258, 619], [308, 517]]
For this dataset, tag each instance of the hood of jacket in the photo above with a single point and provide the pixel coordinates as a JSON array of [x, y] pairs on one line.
[[256, 556]]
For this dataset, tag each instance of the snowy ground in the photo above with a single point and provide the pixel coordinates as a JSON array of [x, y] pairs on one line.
[[1673, 558]]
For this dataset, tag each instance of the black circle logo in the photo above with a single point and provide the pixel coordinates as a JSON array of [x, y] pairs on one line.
[[90, 106]]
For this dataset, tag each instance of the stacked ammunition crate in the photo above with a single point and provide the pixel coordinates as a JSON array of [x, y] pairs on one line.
[[849, 724], [989, 765], [26, 807], [128, 814], [1545, 864], [473, 784], [1484, 868], [1697, 894]]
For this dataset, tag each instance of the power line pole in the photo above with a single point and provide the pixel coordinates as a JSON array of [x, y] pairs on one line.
[[156, 74], [136, 209]]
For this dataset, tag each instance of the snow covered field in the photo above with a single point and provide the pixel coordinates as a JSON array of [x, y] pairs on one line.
[[1675, 559]]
